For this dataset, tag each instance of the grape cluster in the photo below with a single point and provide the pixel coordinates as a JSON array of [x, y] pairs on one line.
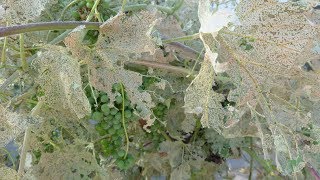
[[84, 7], [109, 124], [147, 82], [158, 129]]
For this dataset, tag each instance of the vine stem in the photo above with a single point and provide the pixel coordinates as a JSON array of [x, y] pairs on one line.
[[123, 122], [93, 10], [251, 159], [74, 2], [23, 155], [124, 2], [10, 157], [45, 26], [196, 131], [164, 66], [182, 38], [24, 63]]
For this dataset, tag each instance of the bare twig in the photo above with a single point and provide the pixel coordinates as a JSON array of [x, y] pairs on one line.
[[24, 152], [44, 26], [154, 64]]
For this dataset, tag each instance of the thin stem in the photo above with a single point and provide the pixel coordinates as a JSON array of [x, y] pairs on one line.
[[93, 10], [10, 157], [24, 63], [183, 38], [195, 64], [92, 91], [165, 135], [124, 2], [44, 26], [61, 37], [171, 10], [153, 64], [3, 54], [123, 121], [136, 7], [191, 53], [74, 2], [97, 14], [23, 154], [251, 159], [196, 131], [262, 162]]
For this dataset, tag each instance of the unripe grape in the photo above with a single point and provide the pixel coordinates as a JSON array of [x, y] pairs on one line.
[[105, 109], [117, 126], [113, 111], [89, 5], [104, 98], [121, 153], [117, 116], [120, 164], [127, 114], [98, 116], [118, 99]]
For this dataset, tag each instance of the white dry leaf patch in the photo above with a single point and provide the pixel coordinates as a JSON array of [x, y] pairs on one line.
[[74, 44], [23, 11], [12, 124], [174, 151], [214, 15], [8, 173], [201, 99], [59, 78], [182, 172], [123, 37], [273, 94], [73, 162]]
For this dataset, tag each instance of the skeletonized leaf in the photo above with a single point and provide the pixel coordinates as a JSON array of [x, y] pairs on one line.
[[273, 93], [61, 83]]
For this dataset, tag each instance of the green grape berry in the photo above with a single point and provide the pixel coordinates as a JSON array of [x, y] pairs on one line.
[[91, 100], [130, 159], [104, 98], [118, 142], [104, 143], [120, 132], [117, 116], [111, 131], [117, 126], [108, 117], [113, 111], [82, 4], [118, 99], [100, 130], [105, 109], [76, 15], [105, 125], [89, 5], [126, 103], [127, 114], [97, 116], [116, 87], [116, 121], [120, 163], [121, 153]]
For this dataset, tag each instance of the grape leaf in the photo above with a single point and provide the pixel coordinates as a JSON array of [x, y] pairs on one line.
[[264, 56], [61, 82]]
